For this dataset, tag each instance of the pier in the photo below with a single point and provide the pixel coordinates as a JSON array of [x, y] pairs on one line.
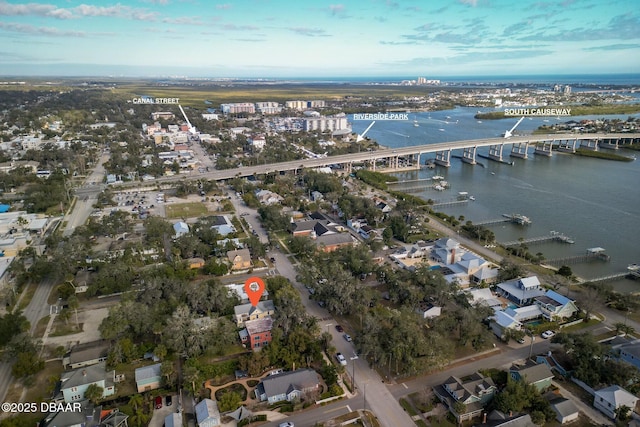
[[553, 236], [450, 203], [615, 276], [592, 254], [513, 218]]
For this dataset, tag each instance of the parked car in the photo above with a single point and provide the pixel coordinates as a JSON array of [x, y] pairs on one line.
[[168, 400], [341, 359], [339, 328], [548, 334], [521, 340], [286, 424], [158, 402], [347, 337]]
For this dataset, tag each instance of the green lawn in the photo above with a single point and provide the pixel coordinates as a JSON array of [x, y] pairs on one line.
[[186, 210]]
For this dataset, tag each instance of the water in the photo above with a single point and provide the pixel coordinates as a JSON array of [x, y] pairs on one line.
[[595, 201]]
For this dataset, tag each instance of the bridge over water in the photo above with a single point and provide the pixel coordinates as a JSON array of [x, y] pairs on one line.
[[393, 159]]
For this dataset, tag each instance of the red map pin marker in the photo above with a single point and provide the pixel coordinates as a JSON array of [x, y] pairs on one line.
[[254, 287]]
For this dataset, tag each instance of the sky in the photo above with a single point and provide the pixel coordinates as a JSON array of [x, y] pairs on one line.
[[297, 38]]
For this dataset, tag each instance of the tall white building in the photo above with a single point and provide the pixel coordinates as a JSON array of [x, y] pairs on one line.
[[332, 123], [238, 107]]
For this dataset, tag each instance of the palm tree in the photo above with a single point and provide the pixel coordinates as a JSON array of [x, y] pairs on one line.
[[136, 401]]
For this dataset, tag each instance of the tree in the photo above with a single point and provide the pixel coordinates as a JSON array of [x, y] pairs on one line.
[[229, 401], [136, 401], [27, 364], [94, 393], [565, 271]]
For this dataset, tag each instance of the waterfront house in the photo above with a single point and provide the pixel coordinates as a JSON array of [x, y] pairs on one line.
[[555, 306], [609, 399], [290, 386], [521, 291]]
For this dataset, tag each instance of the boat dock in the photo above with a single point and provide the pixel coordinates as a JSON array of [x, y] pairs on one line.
[[553, 236], [514, 218], [450, 203], [615, 276], [592, 254]]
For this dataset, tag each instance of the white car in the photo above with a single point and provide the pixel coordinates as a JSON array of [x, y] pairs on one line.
[[347, 337], [341, 359], [548, 334], [286, 424]]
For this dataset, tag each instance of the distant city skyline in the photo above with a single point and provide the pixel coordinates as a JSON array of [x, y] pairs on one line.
[[279, 38]]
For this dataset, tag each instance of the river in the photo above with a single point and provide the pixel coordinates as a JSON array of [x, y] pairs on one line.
[[594, 201]]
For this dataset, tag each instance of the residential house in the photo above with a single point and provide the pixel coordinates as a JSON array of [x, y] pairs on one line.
[[484, 297], [290, 386], [195, 263], [239, 291], [538, 375], [180, 228], [502, 322], [86, 354], [266, 197], [240, 259], [524, 314], [173, 420], [474, 392], [628, 351], [609, 399], [257, 333], [428, 311], [324, 233], [246, 312], [207, 413], [257, 142], [87, 416], [73, 384], [556, 361], [148, 377], [521, 291], [222, 225], [499, 419], [464, 267], [566, 411], [316, 196], [555, 306]]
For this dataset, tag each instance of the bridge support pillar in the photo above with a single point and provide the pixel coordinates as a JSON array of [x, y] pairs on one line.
[[545, 148], [520, 150], [469, 155], [567, 145], [495, 152], [443, 158], [610, 143], [589, 144]]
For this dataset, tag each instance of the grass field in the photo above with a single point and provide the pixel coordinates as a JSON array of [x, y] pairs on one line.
[[195, 96], [186, 210]]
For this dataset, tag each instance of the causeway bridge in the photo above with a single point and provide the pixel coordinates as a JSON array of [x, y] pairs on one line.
[[396, 159]]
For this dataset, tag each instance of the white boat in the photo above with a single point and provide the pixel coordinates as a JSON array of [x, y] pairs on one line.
[[441, 130], [479, 121], [415, 123], [437, 177], [472, 198], [633, 267]]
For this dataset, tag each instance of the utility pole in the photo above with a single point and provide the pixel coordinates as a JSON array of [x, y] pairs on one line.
[[531, 346]]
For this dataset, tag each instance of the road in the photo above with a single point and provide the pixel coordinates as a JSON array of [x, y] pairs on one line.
[[379, 398], [86, 197], [38, 306]]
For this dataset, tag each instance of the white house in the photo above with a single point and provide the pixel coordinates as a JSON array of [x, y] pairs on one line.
[[73, 384], [521, 291], [428, 310], [566, 411], [180, 228], [207, 413], [608, 399], [555, 306]]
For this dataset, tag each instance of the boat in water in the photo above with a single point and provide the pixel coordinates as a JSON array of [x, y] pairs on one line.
[[633, 267]]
